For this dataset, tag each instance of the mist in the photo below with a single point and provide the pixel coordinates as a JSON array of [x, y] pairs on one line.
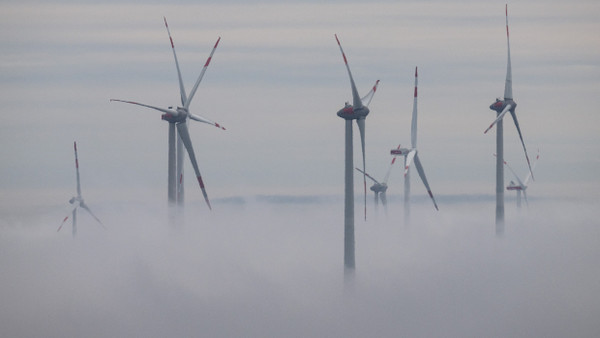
[[273, 266]]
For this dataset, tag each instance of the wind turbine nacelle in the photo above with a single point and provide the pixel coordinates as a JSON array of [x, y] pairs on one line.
[[379, 187], [349, 113], [175, 116], [499, 105], [513, 186], [400, 152], [74, 200]]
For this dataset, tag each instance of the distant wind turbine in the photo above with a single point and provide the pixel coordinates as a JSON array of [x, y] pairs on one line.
[[357, 111], [522, 185], [177, 119], [502, 107], [77, 201], [410, 155], [380, 188]]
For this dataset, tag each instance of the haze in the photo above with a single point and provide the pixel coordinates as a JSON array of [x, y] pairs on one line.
[[267, 261]]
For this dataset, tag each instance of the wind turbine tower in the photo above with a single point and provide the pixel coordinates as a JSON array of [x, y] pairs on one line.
[[178, 134], [357, 111], [501, 107], [410, 155], [77, 201]]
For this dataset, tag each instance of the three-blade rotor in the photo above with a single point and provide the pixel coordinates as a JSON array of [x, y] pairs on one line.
[[180, 115], [523, 184], [77, 201], [508, 104], [358, 111], [412, 155]]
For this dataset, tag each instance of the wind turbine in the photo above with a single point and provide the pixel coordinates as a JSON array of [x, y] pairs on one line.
[[77, 201], [522, 185], [501, 107], [410, 155], [358, 111], [380, 188], [177, 119]]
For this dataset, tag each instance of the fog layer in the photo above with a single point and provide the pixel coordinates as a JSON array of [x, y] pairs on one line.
[[255, 268]]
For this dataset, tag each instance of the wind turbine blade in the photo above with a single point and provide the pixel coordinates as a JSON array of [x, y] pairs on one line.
[[193, 92], [424, 179], [361, 128], [413, 126], [61, 224], [387, 175], [514, 173], [356, 101], [67, 217], [204, 120], [181, 88], [366, 100], [77, 170], [86, 208], [500, 116], [409, 159], [525, 197], [369, 176], [537, 157], [514, 116], [167, 111], [185, 138], [508, 84]]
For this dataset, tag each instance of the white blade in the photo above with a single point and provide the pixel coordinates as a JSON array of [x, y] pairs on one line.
[[525, 197], [537, 157], [361, 128], [204, 120], [424, 179], [193, 92], [356, 101], [514, 173], [185, 138], [413, 126], [387, 175], [508, 84], [383, 199], [514, 116], [500, 116], [77, 170], [369, 176], [366, 100], [75, 206], [172, 112], [181, 88], [84, 206], [409, 159]]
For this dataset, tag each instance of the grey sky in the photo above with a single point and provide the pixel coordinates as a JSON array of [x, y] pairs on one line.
[[277, 80]]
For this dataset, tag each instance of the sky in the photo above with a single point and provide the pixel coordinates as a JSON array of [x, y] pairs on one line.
[[275, 82]]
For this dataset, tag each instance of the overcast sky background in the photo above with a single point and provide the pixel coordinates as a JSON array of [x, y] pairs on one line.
[[276, 82]]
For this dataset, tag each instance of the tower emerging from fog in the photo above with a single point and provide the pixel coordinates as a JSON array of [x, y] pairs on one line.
[[358, 111], [501, 107]]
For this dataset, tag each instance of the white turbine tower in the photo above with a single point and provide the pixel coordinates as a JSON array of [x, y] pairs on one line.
[[410, 155], [177, 119], [380, 188], [521, 187], [77, 201], [357, 111], [502, 107]]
